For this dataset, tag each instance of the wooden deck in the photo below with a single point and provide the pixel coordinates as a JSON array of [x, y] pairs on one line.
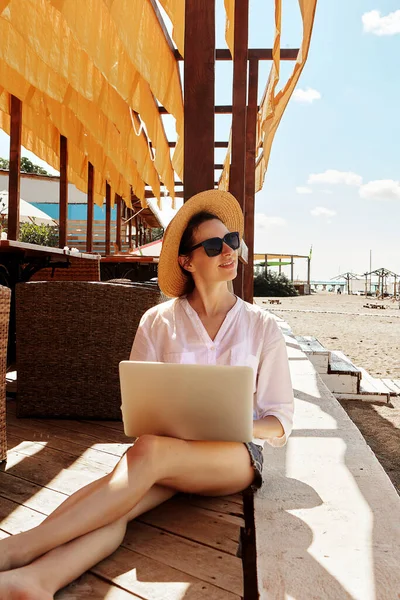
[[184, 549]]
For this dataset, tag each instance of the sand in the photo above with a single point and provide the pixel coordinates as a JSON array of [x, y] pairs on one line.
[[371, 339]]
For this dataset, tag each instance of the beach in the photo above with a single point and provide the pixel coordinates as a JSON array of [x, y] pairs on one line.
[[371, 339]]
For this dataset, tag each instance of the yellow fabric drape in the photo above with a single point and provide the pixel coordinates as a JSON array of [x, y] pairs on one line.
[[273, 107], [175, 10], [100, 36], [62, 80], [67, 74], [230, 23]]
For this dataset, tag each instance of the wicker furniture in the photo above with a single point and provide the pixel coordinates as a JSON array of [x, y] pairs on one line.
[[79, 269], [71, 337], [5, 298]]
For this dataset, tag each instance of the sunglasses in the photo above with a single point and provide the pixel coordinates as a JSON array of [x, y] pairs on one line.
[[213, 246]]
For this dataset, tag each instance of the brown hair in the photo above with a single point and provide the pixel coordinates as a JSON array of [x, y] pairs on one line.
[[187, 242]]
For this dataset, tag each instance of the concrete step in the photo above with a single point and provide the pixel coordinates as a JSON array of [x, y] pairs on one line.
[[316, 353]]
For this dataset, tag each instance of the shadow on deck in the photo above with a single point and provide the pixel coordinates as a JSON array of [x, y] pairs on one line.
[[184, 549]]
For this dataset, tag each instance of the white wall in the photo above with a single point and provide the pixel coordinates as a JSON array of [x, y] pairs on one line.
[[40, 188]]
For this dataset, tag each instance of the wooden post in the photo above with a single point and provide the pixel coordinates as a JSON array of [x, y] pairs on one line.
[[280, 266], [63, 223], [239, 101], [366, 285], [140, 232], [90, 209], [14, 168], [129, 215], [199, 79], [291, 268], [308, 271], [266, 266], [137, 232], [108, 219], [118, 201], [250, 184]]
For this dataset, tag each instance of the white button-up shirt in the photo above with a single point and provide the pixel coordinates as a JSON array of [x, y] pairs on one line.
[[172, 332]]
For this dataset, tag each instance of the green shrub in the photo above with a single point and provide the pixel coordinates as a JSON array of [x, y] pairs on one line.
[[43, 235], [273, 284]]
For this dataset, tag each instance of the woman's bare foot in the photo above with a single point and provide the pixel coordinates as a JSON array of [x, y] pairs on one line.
[[15, 586]]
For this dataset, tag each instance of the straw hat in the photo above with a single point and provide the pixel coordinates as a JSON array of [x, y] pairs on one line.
[[223, 205]]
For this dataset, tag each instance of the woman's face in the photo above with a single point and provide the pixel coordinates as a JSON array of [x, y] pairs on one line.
[[214, 269]]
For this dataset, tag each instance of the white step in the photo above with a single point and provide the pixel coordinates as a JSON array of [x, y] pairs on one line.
[[340, 383], [373, 384], [316, 353], [365, 397], [394, 389], [371, 389], [339, 363]]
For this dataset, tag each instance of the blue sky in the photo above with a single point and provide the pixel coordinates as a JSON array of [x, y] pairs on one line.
[[333, 177]]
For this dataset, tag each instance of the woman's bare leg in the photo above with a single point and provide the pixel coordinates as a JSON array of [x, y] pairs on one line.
[[44, 577], [210, 468]]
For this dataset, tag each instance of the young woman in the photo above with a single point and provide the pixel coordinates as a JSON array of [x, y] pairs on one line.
[[204, 323]]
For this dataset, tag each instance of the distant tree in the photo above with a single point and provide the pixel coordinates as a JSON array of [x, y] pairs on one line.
[[27, 166], [273, 284]]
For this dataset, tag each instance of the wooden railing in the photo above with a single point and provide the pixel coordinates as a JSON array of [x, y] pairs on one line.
[[76, 237]]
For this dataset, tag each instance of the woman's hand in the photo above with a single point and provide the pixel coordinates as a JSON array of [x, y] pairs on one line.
[[268, 427]]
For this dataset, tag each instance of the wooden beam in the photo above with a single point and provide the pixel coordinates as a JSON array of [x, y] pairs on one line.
[[220, 109], [239, 100], [90, 209], [63, 222], [118, 241], [199, 94], [108, 219], [250, 184], [14, 168], [216, 144], [253, 54]]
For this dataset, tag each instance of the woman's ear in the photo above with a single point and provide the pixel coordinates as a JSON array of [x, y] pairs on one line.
[[185, 263]]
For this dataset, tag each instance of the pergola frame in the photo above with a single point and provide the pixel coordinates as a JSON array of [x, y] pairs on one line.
[[199, 137], [284, 257]]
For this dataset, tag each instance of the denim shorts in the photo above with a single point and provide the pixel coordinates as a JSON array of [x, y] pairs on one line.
[[257, 459]]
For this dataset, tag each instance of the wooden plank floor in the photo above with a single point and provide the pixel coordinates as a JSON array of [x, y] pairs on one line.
[[184, 549]]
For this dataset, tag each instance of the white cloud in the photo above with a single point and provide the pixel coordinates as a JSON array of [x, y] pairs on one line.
[[321, 211], [307, 96], [262, 221], [327, 192], [303, 190], [381, 189], [333, 177], [374, 23]]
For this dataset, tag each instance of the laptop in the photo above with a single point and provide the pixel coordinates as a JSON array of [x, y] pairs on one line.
[[190, 402]]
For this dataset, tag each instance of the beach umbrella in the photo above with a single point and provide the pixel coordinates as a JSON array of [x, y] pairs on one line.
[[27, 214]]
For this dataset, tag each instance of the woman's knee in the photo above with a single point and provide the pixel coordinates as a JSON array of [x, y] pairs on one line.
[[145, 447]]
